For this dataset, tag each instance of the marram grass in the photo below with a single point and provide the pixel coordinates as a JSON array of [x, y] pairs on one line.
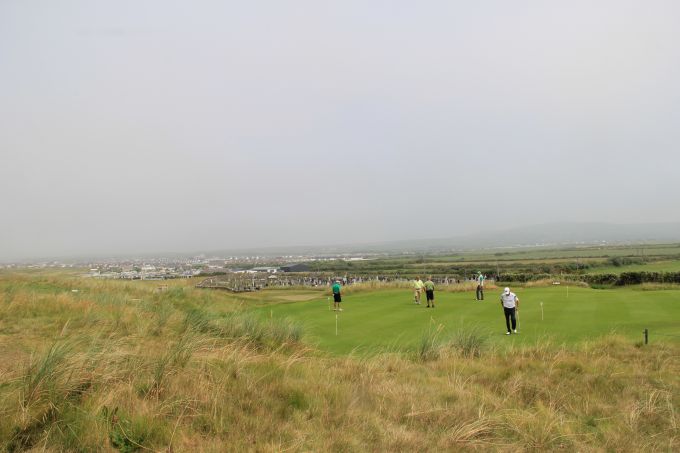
[[119, 367]]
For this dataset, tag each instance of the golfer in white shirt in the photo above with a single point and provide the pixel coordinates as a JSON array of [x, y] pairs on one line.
[[510, 303]]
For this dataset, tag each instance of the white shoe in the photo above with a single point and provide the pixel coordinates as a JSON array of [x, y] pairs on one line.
[[507, 333], [515, 330], [340, 309]]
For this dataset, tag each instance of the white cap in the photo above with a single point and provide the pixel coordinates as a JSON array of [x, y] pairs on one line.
[[507, 290]]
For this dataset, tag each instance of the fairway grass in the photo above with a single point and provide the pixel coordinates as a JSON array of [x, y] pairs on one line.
[[388, 319]]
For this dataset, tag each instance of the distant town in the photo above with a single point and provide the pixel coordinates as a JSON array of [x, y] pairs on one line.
[[172, 268]]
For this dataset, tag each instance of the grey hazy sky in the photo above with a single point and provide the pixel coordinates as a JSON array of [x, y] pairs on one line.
[[149, 125]]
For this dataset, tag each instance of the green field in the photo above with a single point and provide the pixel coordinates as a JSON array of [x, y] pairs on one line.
[[656, 266], [540, 253], [379, 320], [534, 260]]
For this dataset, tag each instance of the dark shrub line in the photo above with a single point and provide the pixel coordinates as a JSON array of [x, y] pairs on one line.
[[622, 279]]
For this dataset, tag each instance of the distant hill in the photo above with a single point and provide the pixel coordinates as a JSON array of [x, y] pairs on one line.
[[548, 235], [554, 234], [558, 234]]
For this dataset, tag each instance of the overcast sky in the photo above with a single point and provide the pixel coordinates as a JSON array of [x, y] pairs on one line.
[[152, 125]]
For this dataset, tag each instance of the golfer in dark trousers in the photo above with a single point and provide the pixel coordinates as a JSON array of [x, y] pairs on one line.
[[480, 286], [429, 292], [510, 303], [337, 295]]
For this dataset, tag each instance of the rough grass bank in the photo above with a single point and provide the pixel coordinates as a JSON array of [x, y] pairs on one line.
[[124, 367]]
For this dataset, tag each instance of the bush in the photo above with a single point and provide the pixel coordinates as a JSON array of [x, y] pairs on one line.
[[602, 279], [522, 277], [625, 278], [619, 261]]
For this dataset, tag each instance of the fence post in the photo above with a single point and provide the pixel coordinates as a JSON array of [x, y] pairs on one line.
[[646, 333]]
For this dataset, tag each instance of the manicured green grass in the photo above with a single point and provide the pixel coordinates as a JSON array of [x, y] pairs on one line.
[[378, 320]]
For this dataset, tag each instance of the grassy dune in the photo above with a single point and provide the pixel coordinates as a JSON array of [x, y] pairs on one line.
[[122, 367]]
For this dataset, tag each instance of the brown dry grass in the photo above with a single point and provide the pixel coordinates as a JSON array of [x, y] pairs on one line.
[[97, 371]]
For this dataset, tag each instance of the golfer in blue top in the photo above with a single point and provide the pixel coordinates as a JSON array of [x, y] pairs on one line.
[[480, 286], [337, 295]]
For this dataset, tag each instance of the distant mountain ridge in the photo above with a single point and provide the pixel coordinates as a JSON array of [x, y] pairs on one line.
[[558, 234], [548, 235], [553, 234]]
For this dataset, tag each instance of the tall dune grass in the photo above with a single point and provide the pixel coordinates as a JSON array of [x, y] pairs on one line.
[[187, 371]]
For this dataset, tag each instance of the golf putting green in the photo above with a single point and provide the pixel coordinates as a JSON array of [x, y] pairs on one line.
[[388, 319]]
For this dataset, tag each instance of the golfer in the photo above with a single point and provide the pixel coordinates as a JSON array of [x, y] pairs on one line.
[[417, 289], [429, 291], [510, 303], [480, 286], [337, 295]]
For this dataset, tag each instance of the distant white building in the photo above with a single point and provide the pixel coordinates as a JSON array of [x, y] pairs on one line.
[[269, 270]]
